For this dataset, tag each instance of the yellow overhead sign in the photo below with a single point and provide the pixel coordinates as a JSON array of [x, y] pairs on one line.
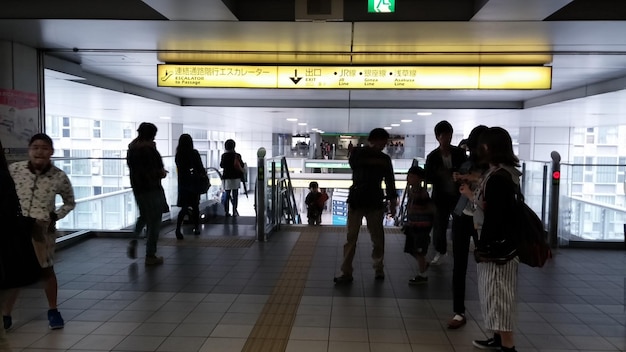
[[355, 77]]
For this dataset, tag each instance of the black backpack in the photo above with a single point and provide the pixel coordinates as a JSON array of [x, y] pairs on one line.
[[532, 245]]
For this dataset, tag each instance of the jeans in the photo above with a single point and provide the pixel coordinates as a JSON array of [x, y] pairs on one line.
[[462, 231], [150, 206], [374, 219]]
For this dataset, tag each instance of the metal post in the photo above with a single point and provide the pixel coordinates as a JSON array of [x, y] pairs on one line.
[[544, 193], [553, 221], [261, 186]]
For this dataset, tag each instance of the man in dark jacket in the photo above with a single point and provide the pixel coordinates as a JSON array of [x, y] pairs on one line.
[[440, 164], [370, 166], [146, 171]]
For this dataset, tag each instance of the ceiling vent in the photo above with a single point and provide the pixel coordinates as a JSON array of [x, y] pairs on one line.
[[319, 10]]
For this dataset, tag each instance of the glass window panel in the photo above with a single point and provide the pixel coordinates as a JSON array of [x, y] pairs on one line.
[[82, 166], [112, 167], [606, 174]]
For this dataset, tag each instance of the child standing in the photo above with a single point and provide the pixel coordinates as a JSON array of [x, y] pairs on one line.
[[315, 201], [419, 221]]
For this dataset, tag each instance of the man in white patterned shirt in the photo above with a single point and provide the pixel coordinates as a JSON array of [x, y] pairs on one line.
[[37, 183]]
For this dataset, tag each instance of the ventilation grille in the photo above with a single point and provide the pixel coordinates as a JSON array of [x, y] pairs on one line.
[[319, 10]]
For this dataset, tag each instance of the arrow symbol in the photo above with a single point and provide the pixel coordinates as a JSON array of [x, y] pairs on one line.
[[295, 79]]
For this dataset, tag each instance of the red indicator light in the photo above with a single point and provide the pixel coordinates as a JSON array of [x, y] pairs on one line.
[[556, 175]]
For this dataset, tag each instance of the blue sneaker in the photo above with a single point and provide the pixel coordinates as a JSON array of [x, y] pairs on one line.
[[55, 321]]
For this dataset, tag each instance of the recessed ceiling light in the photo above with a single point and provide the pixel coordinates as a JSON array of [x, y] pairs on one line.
[[405, 121], [387, 128], [165, 118], [424, 113], [395, 124], [301, 123], [292, 119]]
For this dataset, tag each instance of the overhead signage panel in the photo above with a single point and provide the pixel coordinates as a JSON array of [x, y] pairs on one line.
[[355, 77], [217, 76]]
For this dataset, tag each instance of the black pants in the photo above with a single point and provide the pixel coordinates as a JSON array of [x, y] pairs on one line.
[[194, 216], [440, 227], [462, 231]]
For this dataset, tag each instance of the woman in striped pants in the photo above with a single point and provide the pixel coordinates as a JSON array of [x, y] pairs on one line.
[[494, 219]]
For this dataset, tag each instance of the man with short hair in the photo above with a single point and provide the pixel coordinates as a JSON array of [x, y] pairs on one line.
[[370, 166], [37, 182], [439, 166], [146, 171]]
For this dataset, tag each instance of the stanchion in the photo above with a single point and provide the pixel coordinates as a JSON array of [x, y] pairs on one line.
[[259, 196]]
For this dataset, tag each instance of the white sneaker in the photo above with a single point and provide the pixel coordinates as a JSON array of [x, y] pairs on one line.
[[437, 258]]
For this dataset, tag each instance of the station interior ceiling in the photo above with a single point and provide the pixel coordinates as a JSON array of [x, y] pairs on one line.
[[101, 61]]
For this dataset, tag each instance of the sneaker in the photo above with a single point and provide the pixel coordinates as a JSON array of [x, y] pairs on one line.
[[489, 344], [418, 280], [154, 260], [131, 251], [55, 321], [380, 275], [8, 321], [457, 321], [343, 279], [437, 259]]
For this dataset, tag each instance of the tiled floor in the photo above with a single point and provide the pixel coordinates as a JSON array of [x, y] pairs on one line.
[[279, 295]]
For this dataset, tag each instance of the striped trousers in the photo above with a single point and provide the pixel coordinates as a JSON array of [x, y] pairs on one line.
[[497, 289]]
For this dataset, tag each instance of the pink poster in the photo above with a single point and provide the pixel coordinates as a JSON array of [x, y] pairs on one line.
[[18, 121]]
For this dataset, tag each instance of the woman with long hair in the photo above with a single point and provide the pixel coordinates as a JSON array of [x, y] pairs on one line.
[[233, 173], [496, 251], [188, 163]]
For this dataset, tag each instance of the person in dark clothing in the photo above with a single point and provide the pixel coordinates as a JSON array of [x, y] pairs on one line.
[[233, 173], [9, 207], [370, 166], [463, 227], [188, 163], [496, 251], [420, 212], [439, 166], [146, 171], [315, 201]]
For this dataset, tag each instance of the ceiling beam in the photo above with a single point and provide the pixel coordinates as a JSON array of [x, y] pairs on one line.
[[508, 10]]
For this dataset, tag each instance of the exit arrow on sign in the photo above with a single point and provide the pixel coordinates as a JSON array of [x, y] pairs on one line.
[[295, 79]]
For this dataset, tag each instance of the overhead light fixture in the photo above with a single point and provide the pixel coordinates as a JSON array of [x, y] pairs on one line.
[[395, 124], [292, 119], [387, 127], [165, 117], [301, 123], [406, 120], [424, 113]]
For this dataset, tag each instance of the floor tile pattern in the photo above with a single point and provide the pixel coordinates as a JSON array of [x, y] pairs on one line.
[[279, 296]]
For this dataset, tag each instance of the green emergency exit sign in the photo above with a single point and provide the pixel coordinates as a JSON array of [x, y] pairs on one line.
[[381, 6]]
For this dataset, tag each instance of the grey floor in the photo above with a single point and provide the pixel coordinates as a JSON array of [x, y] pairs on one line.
[[212, 289]]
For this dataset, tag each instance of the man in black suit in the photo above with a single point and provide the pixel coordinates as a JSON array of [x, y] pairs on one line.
[[440, 164]]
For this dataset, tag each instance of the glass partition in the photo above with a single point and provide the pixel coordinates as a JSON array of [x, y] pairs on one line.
[[534, 187], [592, 203], [104, 198]]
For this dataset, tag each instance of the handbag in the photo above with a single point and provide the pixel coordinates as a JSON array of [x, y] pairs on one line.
[[200, 182], [19, 265]]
